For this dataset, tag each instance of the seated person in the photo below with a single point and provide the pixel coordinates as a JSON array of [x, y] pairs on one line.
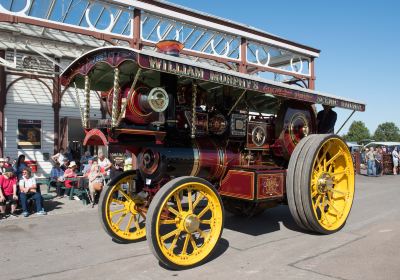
[[28, 189], [8, 192], [57, 179], [87, 167], [326, 120], [64, 164], [70, 173], [2, 166]]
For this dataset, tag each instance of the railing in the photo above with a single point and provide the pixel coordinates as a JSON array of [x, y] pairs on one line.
[[141, 23]]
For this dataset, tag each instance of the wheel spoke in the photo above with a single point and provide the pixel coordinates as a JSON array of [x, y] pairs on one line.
[[324, 215], [338, 154], [178, 202], [198, 199], [120, 219], [339, 192], [170, 234], [173, 211], [202, 233], [203, 211], [173, 244], [116, 212], [317, 202], [190, 201], [128, 225], [167, 222], [186, 243], [206, 222], [135, 221], [338, 213], [323, 156], [314, 193], [124, 194], [117, 201], [193, 242]]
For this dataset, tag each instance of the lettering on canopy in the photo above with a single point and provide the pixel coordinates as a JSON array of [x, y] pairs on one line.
[[199, 73]]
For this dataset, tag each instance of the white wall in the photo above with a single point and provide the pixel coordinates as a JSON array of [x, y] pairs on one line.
[[29, 99]]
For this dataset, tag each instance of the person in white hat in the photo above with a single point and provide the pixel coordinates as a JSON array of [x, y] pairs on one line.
[[70, 173]]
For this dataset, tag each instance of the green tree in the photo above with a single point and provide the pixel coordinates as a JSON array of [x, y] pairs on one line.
[[357, 132], [387, 131]]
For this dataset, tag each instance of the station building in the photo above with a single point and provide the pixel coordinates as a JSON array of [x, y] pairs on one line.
[[38, 39]]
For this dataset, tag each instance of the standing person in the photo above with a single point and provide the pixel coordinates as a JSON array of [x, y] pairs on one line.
[[128, 163], [8, 192], [70, 173], [379, 162], [370, 157], [96, 180], [19, 166], [57, 179], [326, 119], [59, 157], [28, 189], [104, 163], [395, 157]]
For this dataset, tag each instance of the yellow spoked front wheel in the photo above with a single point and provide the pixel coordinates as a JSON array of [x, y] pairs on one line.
[[122, 212], [184, 222], [320, 183]]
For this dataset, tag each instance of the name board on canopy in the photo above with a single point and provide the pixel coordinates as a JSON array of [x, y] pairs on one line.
[[199, 73]]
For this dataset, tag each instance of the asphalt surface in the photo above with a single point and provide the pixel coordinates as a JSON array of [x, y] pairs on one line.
[[70, 244]]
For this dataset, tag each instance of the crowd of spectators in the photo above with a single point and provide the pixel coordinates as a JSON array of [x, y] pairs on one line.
[[373, 158], [18, 187]]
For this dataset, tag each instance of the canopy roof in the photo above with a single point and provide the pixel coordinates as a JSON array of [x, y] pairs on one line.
[[98, 64], [389, 143]]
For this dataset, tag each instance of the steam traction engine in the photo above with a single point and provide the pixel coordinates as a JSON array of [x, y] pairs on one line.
[[207, 140]]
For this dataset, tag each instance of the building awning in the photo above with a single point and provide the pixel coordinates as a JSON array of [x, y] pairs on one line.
[[95, 137], [98, 64]]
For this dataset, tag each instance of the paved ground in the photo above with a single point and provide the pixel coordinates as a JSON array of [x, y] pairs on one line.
[[69, 243]]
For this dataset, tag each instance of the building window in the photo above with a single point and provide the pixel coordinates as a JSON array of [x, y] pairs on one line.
[[29, 134]]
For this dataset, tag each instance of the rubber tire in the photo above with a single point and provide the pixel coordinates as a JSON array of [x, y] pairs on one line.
[[298, 179], [154, 208], [102, 206]]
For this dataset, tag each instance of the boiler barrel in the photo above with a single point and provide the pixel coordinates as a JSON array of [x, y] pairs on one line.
[[203, 158]]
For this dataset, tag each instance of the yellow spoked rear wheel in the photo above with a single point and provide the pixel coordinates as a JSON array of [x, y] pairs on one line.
[[320, 183], [122, 212], [185, 222], [332, 184]]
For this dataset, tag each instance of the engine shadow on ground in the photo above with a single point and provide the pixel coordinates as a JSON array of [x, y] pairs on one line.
[[267, 222]]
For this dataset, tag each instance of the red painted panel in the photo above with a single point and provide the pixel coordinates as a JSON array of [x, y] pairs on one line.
[[270, 185], [239, 184]]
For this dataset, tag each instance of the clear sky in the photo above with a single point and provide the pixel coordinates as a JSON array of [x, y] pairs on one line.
[[359, 43]]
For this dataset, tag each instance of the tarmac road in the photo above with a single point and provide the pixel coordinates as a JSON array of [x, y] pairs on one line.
[[71, 245]]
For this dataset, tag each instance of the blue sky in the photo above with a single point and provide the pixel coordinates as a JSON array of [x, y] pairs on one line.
[[359, 40]]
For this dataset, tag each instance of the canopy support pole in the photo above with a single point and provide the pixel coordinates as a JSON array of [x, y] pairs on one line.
[[114, 112], [87, 103], [194, 97], [352, 113], [131, 90], [237, 102], [79, 105]]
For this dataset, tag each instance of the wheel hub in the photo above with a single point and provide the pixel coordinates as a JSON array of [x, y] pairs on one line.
[[191, 223], [325, 182]]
